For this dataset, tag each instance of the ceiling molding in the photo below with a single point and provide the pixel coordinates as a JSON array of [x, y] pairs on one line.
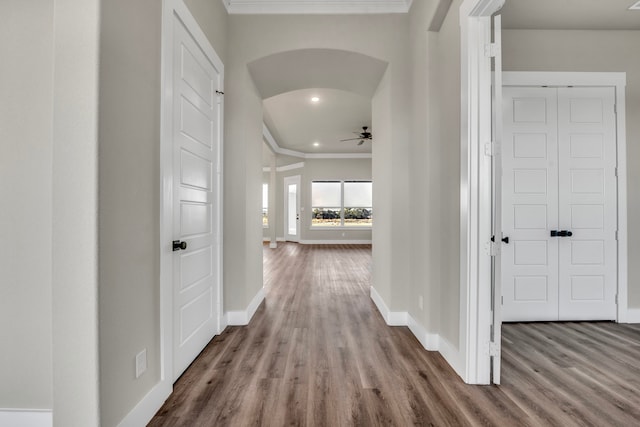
[[285, 168], [273, 145], [329, 7]]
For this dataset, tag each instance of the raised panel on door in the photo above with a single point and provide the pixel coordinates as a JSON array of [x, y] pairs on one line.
[[587, 189], [195, 179], [529, 204]]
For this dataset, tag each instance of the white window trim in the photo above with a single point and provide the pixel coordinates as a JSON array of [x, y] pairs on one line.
[[342, 226]]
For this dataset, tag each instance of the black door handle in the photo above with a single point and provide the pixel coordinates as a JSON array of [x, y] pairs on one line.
[[561, 233], [178, 245], [506, 240]]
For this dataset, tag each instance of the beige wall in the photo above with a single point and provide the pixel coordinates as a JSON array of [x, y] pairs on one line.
[[212, 17], [129, 190], [535, 50], [74, 213], [26, 157]]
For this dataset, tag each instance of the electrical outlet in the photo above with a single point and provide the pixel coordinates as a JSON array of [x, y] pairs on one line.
[[141, 363], [420, 302]]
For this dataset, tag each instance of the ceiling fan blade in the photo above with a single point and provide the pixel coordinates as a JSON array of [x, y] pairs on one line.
[[361, 142], [350, 139]]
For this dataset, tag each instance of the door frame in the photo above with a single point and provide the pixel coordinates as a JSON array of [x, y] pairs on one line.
[[617, 81], [472, 360], [178, 9], [293, 179]]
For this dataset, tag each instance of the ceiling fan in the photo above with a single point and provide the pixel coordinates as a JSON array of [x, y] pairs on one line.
[[362, 136]]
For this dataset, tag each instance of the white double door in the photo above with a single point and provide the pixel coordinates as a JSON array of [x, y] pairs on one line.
[[559, 204]]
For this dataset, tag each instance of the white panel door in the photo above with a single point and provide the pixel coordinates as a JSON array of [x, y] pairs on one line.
[[292, 208], [587, 153], [529, 204], [196, 187], [559, 204]]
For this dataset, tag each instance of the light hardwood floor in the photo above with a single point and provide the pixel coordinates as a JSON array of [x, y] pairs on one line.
[[317, 353]]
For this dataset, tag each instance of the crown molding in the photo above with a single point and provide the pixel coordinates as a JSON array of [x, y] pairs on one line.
[[329, 7], [273, 145]]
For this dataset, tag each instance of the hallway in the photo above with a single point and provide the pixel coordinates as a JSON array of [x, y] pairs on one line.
[[318, 353]]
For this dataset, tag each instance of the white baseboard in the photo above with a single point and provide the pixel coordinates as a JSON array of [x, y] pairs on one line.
[[633, 315], [242, 318], [452, 355], [335, 242], [429, 341], [144, 411], [26, 417]]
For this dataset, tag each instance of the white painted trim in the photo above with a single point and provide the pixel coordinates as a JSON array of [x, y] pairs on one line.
[[26, 417], [429, 341], [290, 167], [156, 397], [452, 355], [330, 7], [391, 318], [242, 318], [475, 193], [144, 411], [335, 242], [273, 145], [562, 78], [633, 315], [619, 82]]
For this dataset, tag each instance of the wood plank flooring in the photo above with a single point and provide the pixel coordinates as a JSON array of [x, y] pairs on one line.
[[317, 353]]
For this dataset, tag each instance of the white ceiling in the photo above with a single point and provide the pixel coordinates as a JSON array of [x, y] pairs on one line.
[[570, 15], [296, 123]]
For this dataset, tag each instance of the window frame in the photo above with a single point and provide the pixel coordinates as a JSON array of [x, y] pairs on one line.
[[342, 208]]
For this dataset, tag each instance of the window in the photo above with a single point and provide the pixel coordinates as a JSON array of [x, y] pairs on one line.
[[341, 204], [265, 205]]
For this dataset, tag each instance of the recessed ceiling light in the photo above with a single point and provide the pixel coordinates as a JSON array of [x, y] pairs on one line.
[[316, 144], [635, 6], [315, 99]]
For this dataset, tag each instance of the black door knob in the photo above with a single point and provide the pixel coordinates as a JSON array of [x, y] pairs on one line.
[[506, 240], [178, 245]]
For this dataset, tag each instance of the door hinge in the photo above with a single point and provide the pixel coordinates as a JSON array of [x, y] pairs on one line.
[[616, 235], [494, 349], [616, 298], [490, 149], [491, 50], [616, 171], [615, 108], [492, 248]]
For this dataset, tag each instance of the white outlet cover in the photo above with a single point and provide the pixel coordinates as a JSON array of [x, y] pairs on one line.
[[141, 363]]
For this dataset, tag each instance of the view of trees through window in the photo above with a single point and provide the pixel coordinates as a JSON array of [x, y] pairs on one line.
[[341, 204]]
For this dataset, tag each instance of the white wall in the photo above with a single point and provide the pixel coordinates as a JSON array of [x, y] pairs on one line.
[[536, 50], [26, 156]]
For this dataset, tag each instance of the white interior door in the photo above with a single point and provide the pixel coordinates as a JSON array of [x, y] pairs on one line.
[[196, 198], [559, 204], [587, 152], [292, 208], [530, 204]]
